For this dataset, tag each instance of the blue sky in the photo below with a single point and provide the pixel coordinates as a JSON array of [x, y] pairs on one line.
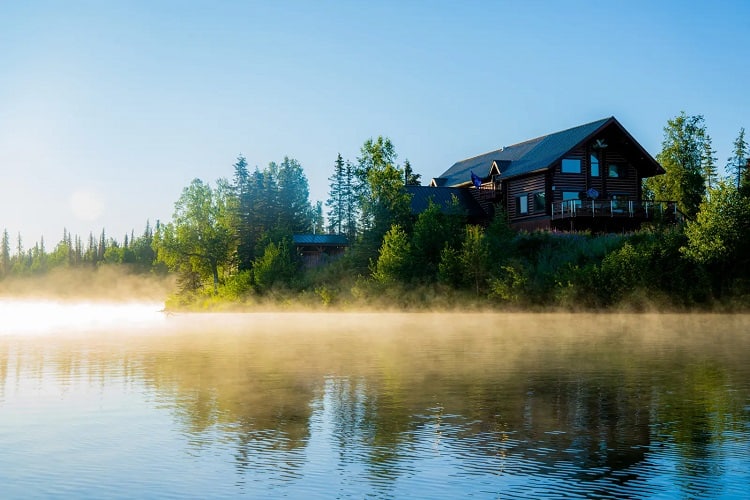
[[109, 109]]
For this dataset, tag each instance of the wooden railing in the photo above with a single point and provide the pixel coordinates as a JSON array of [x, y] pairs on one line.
[[613, 208]]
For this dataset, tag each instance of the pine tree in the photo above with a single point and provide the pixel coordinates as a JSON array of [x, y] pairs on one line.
[[708, 164], [102, 247], [5, 254], [350, 203], [737, 163], [337, 197], [410, 178], [242, 214]]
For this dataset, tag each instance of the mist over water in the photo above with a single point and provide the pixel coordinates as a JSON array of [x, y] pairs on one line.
[[122, 400]]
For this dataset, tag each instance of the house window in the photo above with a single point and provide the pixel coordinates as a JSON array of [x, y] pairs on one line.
[[571, 166], [540, 202], [594, 165], [522, 204], [619, 202], [572, 195], [615, 170]]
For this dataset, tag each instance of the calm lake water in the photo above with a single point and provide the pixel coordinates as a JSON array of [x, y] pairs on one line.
[[107, 401]]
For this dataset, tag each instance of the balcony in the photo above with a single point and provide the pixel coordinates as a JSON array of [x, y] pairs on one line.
[[642, 210]]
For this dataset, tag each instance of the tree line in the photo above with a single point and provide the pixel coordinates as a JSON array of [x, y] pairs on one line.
[[232, 241], [134, 252]]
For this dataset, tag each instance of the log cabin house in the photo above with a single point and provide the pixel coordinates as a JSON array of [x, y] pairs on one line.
[[584, 178]]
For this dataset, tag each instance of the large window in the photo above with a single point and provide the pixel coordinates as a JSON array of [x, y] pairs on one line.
[[594, 165], [522, 204], [540, 202], [571, 166]]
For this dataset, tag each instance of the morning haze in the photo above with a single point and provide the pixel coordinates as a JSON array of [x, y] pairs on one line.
[[342, 250]]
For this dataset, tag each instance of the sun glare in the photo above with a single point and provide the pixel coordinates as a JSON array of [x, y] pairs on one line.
[[44, 316], [86, 205]]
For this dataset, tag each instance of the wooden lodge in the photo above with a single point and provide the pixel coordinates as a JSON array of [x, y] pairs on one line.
[[585, 178]]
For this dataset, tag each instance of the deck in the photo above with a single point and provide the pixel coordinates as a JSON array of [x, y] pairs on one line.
[[643, 210]]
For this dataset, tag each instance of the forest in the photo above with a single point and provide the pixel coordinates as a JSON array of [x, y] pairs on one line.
[[229, 244]]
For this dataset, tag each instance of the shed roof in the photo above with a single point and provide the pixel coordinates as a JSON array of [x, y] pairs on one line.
[[320, 239], [524, 157], [443, 198]]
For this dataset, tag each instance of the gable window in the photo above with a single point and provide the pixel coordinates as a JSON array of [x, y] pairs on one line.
[[615, 170], [540, 202], [571, 166], [594, 160], [522, 204]]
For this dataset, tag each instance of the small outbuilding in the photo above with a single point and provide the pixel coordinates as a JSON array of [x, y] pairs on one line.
[[318, 249]]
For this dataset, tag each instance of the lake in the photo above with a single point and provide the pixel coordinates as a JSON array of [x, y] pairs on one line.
[[123, 401]]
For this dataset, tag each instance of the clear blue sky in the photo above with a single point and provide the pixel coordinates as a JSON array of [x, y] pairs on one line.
[[109, 108]]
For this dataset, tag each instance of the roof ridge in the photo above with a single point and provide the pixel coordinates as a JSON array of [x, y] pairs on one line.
[[538, 138], [562, 131]]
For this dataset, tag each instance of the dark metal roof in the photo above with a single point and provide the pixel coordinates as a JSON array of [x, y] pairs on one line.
[[320, 239], [524, 157], [443, 198]]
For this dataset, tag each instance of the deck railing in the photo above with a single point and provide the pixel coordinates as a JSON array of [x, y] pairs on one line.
[[613, 208]]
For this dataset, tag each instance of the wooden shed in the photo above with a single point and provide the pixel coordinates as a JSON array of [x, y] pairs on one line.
[[318, 249]]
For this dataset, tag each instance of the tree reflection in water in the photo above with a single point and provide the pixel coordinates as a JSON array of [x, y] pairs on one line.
[[584, 398]]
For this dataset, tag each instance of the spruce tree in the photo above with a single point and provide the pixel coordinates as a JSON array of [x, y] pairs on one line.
[[5, 254], [336, 202], [410, 178], [708, 164], [242, 213], [737, 163]]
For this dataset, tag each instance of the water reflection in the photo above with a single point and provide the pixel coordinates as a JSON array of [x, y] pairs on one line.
[[419, 405]]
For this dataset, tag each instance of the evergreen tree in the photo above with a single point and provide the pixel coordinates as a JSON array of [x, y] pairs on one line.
[[5, 254], [337, 197], [242, 208], [410, 178], [350, 202], [293, 198], [317, 218], [393, 263], [708, 164], [102, 247], [737, 163]]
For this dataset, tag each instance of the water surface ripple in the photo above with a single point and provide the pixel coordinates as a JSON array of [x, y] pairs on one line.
[[374, 405]]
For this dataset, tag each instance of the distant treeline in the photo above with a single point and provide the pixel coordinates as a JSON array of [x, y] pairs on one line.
[[231, 243], [135, 252]]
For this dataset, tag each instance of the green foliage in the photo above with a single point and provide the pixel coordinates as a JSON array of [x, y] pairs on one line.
[[449, 268], [200, 239], [719, 238], [682, 156], [277, 267], [393, 263], [510, 283], [238, 286], [433, 230], [475, 258], [737, 163]]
